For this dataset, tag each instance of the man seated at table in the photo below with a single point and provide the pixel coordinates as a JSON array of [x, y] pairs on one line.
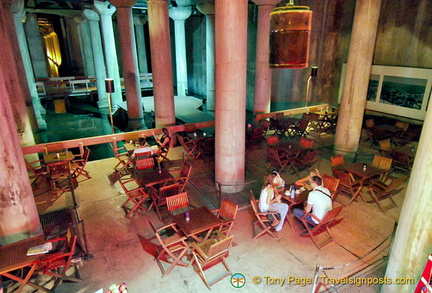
[[319, 202], [143, 148]]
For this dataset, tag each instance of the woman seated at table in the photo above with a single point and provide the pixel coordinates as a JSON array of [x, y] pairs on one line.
[[163, 143], [143, 148], [278, 182], [270, 201], [305, 182]]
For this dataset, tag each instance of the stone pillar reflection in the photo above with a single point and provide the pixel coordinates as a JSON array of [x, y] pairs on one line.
[[179, 15], [231, 61], [18, 13], [98, 56], [37, 52], [207, 7], [263, 73], [130, 63], [18, 213], [160, 46], [139, 23], [85, 45], [106, 11], [357, 76]]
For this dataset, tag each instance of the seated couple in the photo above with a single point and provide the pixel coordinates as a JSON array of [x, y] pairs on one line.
[[270, 201], [162, 144]]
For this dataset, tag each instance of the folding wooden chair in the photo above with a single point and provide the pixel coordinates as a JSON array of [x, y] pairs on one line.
[[332, 184], [385, 147], [210, 253], [313, 229], [60, 177], [227, 212], [144, 161], [304, 160], [401, 161], [300, 128], [306, 142], [78, 165], [277, 160], [261, 220], [57, 263], [348, 185], [178, 203], [123, 159], [159, 197], [134, 192], [384, 164], [191, 147], [380, 191], [337, 160], [172, 249], [402, 125], [40, 173]]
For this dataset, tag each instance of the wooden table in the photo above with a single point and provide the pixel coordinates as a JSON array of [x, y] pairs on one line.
[[298, 199], [358, 170], [200, 220], [410, 149], [14, 256], [62, 156], [149, 177], [292, 148]]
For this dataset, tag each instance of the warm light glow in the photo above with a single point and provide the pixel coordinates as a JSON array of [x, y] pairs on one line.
[[53, 52]]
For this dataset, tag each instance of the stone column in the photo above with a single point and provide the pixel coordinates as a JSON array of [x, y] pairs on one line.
[[160, 48], [207, 8], [130, 63], [18, 13], [179, 15], [98, 56], [263, 73], [231, 58], [413, 240], [110, 49], [37, 52], [357, 76], [139, 23], [18, 213], [85, 45]]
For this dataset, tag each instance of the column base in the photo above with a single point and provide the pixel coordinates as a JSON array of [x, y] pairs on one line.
[[229, 188], [348, 151]]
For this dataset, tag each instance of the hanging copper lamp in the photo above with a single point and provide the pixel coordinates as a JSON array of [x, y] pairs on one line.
[[290, 28]]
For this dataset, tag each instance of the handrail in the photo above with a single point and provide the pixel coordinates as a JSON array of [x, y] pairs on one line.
[[291, 112]]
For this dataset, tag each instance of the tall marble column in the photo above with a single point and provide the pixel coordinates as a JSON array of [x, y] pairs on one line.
[[18, 13], [98, 56], [106, 11], [179, 15], [18, 213], [160, 47], [139, 22], [263, 73], [85, 45], [357, 76], [207, 8], [130, 63], [230, 114], [37, 52]]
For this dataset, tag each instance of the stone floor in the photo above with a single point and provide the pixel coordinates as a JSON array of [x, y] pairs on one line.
[[122, 249]]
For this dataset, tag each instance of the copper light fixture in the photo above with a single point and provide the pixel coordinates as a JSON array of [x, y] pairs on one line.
[[290, 28]]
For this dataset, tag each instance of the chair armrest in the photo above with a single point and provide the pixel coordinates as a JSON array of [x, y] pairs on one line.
[[312, 216]]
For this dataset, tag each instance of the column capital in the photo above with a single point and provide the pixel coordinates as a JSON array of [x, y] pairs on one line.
[[91, 15], [266, 2], [180, 13], [123, 3], [206, 7], [104, 8], [79, 19], [140, 20], [17, 7]]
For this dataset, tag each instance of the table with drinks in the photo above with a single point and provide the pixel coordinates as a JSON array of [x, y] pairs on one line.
[[294, 197]]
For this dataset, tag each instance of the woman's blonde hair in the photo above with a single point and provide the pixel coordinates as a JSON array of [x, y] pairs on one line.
[[314, 172]]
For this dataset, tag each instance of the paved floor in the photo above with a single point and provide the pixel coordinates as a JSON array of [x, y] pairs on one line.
[[123, 248]]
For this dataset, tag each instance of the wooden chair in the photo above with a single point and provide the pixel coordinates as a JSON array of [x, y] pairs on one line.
[[39, 171], [227, 212], [348, 185], [60, 177], [159, 197], [401, 161], [380, 191], [384, 164], [209, 253], [277, 160], [256, 137], [56, 264], [337, 160], [191, 147], [123, 159], [78, 165], [306, 142], [369, 123], [173, 247], [385, 147], [178, 203], [261, 220], [300, 128], [144, 161], [304, 160], [402, 125], [313, 229], [332, 184], [184, 175], [134, 192]]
